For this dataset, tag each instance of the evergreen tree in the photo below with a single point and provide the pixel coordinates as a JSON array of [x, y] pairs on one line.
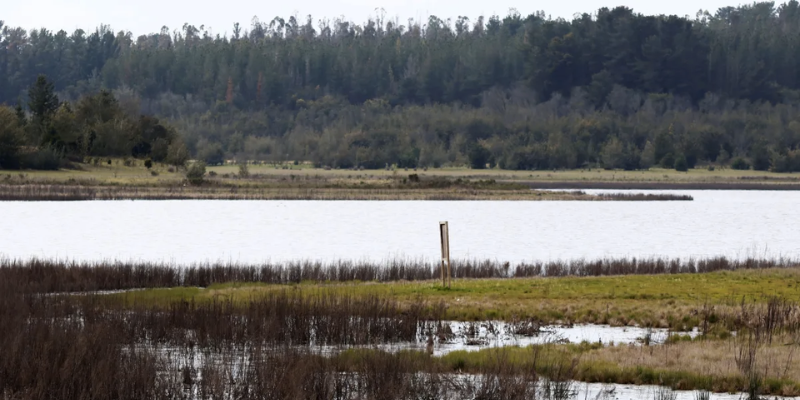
[[42, 100]]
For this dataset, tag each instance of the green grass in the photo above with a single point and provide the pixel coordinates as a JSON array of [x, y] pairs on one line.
[[651, 300], [575, 362]]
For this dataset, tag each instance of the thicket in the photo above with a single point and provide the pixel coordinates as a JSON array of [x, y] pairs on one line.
[[613, 89], [51, 133]]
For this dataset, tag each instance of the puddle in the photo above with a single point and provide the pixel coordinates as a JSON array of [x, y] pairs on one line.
[[93, 292], [600, 391], [452, 336], [440, 338]]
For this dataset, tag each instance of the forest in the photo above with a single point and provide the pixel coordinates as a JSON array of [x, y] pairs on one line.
[[613, 89]]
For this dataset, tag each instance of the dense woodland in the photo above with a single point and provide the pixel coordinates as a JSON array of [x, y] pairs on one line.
[[612, 89]]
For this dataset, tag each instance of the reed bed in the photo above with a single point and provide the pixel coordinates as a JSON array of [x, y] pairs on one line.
[[54, 276], [645, 197], [93, 347], [66, 192]]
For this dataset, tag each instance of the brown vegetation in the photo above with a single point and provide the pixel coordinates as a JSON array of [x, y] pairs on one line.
[[94, 347], [53, 276]]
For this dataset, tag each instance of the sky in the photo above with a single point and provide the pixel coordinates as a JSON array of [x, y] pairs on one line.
[[148, 16]]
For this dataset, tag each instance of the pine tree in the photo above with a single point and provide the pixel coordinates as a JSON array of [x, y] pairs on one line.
[[22, 119], [42, 100]]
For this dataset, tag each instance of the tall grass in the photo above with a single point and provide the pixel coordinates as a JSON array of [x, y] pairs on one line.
[[177, 191], [95, 347], [52, 276]]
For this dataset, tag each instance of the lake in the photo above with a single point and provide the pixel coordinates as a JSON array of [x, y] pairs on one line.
[[716, 223]]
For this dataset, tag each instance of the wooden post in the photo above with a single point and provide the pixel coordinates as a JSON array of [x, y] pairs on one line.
[[444, 236]]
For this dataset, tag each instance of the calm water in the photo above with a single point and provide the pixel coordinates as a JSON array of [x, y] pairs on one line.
[[730, 223], [501, 335]]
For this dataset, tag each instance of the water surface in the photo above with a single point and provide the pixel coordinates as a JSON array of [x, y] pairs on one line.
[[729, 223]]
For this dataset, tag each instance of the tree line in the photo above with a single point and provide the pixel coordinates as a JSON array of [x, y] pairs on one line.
[[614, 88]]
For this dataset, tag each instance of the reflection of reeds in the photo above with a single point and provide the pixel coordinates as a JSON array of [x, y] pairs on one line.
[[65, 276]]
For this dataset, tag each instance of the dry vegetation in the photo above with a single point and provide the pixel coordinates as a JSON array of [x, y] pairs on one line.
[[46, 192]]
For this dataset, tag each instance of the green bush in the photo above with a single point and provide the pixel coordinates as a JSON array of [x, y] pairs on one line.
[[45, 158], [680, 164], [244, 172], [479, 156], [740, 164], [148, 163], [786, 162], [195, 172], [668, 161]]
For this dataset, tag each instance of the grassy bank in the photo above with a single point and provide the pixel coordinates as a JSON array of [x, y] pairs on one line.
[[680, 302], [621, 292]]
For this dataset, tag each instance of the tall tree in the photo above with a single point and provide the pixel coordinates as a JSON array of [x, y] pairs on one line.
[[42, 99]]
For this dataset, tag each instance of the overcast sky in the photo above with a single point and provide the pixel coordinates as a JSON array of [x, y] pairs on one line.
[[147, 16]]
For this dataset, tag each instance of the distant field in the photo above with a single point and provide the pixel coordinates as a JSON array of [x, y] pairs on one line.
[[129, 179], [118, 173]]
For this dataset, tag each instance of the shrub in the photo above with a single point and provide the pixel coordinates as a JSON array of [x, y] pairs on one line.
[[44, 158], [244, 172], [740, 164], [177, 154], [681, 164], [479, 156], [786, 162], [148, 163], [195, 172], [154, 173], [212, 154], [668, 161]]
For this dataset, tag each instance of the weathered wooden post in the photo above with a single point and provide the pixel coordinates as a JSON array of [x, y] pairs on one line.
[[444, 236]]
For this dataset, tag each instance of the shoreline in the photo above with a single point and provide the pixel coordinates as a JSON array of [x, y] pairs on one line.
[[76, 192]]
